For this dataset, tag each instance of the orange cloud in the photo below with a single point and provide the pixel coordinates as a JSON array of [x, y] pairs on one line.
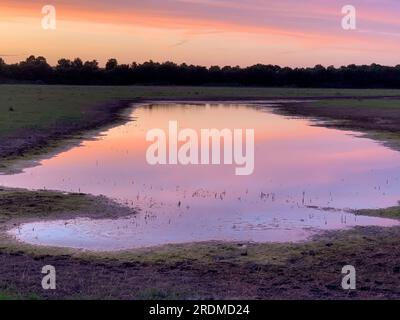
[[288, 35]]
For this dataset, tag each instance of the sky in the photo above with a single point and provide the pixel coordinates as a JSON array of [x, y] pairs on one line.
[[205, 32]]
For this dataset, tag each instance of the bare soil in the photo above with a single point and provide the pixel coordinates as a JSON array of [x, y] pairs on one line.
[[310, 270], [35, 140], [365, 119]]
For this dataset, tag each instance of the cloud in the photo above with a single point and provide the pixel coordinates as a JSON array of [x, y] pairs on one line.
[[252, 29]]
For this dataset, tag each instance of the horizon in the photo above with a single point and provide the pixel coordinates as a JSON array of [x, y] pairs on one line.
[[185, 31], [103, 64]]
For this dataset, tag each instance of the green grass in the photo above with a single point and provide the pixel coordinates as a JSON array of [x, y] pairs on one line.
[[15, 203], [24, 107], [204, 253], [42, 106], [359, 103], [392, 212], [7, 296], [37, 106], [20, 203], [378, 118], [157, 294]]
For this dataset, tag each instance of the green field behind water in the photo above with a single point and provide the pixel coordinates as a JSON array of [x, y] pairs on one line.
[[37, 106]]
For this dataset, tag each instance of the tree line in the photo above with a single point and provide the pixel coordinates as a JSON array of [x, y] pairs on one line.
[[37, 70]]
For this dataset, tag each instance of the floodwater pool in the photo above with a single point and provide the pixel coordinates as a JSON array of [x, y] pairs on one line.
[[300, 170]]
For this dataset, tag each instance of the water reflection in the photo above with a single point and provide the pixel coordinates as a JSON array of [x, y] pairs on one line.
[[297, 166]]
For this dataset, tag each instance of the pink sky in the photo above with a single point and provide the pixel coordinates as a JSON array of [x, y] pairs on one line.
[[207, 32]]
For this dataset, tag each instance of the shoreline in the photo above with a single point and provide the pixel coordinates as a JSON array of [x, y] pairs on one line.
[[381, 125], [27, 144], [26, 148], [206, 264], [215, 270], [33, 143]]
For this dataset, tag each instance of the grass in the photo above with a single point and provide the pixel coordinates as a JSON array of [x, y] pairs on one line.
[[33, 117], [359, 103], [8, 296], [392, 212], [378, 119], [38, 106], [42, 106], [157, 294], [189, 271], [206, 253], [39, 204], [20, 203], [214, 270]]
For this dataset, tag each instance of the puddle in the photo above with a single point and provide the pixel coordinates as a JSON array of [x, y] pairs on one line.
[[296, 165]]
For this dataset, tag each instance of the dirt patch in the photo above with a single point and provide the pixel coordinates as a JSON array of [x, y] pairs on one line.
[[18, 206], [379, 123], [24, 143], [310, 271], [35, 141], [214, 271]]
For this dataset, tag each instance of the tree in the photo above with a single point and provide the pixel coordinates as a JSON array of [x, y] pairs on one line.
[[64, 64], [36, 69], [2, 64], [111, 64], [91, 65], [77, 63]]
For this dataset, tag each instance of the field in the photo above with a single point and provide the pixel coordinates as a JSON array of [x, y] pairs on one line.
[[214, 270], [40, 107], [37, 118]]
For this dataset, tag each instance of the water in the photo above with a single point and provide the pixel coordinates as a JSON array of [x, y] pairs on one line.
[[297, 165]]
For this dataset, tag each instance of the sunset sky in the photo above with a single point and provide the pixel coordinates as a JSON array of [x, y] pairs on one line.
[[206, 32]]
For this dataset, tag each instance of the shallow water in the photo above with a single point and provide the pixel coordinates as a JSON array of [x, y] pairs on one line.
[[297, 165]]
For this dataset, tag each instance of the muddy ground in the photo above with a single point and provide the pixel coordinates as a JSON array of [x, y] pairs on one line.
[[34, 141], [221, 271], [38, 140], [378, 122], [310, 271]]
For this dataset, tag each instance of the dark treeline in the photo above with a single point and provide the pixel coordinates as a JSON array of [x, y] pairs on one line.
[[37, 70]]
